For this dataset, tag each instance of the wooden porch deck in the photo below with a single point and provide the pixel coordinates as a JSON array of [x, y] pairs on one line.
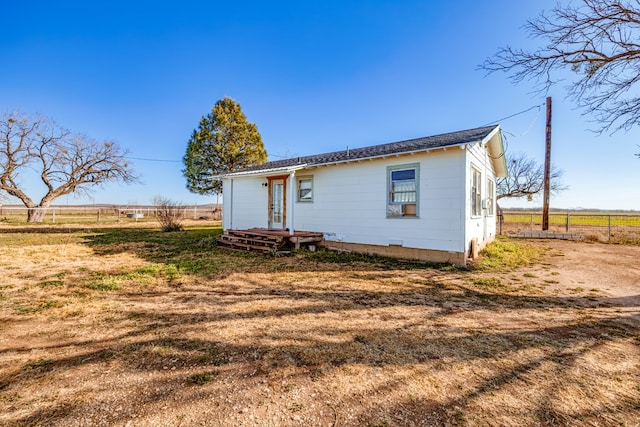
[[267, 241]]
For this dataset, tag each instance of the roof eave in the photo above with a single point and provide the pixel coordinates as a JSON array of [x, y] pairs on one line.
[[265, 172], [496, 151]]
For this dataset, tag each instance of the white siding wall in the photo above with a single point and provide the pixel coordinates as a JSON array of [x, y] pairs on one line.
[[245, 203], [482, 227], [349, 203]]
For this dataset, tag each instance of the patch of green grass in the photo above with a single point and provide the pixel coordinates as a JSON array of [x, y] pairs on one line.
[[168, 242], [53, 283], [211, 356], [201, 378], [25, 308], [73, 313], [489, 282], [209, 242], [104, 283], [506, 254], [50, 304], [39, 364], [377, 261], [38, 237], [36, 307], [492, 284], [148, 274], [530, 275]]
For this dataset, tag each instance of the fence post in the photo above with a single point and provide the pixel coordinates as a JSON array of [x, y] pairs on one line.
[[609, 227], [568, 222], [531, 222], [54, 216], [98, 215]]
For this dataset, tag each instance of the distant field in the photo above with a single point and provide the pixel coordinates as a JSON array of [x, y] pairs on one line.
[[618, 227], [102, 214], [577, 219]]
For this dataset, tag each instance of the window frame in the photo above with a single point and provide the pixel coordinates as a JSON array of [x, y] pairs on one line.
[[404, 207], [299, 180], [490, 197], [475, 193]]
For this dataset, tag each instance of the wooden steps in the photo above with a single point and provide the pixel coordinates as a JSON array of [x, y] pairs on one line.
[[251, 241], [265, 241]]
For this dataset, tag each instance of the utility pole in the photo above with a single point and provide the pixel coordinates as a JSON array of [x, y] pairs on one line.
[[547, 169]]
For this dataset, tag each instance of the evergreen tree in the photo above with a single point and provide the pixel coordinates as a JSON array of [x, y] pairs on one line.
[[223, 142]]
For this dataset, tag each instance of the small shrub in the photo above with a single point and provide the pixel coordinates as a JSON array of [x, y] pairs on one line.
[[168, 213]]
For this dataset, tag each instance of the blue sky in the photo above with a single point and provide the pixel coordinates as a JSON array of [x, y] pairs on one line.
[[314, 76]]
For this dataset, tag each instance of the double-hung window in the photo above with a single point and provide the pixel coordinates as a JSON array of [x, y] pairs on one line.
[[490, 197], [476, 201], [305, 189], [402, 191]]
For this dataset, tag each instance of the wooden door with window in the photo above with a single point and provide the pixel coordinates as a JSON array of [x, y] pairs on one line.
[[277, 204]]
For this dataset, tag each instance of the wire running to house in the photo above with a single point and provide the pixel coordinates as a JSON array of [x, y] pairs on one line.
[[538, 106], [153, 160], [504, 132]]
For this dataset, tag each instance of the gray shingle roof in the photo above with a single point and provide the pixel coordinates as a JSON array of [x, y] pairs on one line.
[[411, 145]]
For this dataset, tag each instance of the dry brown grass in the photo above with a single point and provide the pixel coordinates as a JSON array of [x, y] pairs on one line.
[[139, 327]]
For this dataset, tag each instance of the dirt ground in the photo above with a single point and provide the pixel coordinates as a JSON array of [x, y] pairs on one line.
[[102, 335], [606, 270]]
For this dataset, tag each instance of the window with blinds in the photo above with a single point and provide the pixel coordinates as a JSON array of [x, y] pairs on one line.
[[402, 184]]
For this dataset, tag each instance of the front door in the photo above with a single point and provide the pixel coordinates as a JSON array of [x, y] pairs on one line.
[[276, 204]]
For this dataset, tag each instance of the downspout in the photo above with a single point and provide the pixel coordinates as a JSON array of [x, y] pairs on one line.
[[291, 202], [465, 211], [483, 192], [231, 204]]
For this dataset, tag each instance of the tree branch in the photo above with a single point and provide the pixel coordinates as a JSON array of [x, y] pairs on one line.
[[598, 42]]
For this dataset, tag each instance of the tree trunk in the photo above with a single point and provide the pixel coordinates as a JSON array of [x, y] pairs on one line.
[[36, 214]]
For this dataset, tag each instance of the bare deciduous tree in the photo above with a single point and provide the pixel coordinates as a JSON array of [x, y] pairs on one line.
[[526, 178], [598, 41], [65, 162]]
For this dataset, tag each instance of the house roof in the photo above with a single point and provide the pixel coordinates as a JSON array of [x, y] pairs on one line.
[[470, 136]]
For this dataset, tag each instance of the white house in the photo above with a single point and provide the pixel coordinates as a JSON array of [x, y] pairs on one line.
[[429, 198]]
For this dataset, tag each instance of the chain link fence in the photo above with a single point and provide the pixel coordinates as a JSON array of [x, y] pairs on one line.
[[105, 214], [621, 228]]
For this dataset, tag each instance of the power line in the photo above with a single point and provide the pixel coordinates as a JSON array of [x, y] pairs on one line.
[[538, 106], [285, 157], [153, 160], [504, 132]]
